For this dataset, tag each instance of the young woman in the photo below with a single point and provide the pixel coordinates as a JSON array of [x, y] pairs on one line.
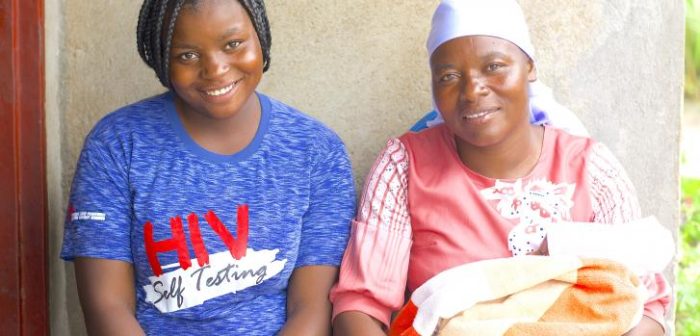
[[484, 184], [210, 209]]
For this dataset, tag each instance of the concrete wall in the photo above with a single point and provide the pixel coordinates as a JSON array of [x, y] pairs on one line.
[[360, 66]]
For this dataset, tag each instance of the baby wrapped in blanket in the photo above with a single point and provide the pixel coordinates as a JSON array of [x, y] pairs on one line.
[[560, 294]]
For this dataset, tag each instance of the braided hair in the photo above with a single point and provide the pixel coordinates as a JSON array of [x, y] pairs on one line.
[[154, 32]]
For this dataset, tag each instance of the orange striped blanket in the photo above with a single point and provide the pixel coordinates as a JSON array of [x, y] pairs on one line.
[[530, 295]]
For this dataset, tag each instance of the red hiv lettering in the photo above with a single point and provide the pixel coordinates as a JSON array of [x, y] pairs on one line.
[[176, 243], [237, 246], [197, 243]]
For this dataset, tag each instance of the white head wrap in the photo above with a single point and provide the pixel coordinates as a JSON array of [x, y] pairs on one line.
[[503, 19]]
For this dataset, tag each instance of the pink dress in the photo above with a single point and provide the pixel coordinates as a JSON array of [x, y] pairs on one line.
[[423, 211]]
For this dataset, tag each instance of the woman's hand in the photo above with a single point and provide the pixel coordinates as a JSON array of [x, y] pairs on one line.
[[107, 296], [308, 307]]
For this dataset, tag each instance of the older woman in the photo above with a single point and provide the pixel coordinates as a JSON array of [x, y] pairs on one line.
[[484, 184]]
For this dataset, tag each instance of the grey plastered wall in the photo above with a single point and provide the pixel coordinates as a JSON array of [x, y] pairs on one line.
[[360, 67]]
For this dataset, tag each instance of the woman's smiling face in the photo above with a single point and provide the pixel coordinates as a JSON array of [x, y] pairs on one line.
[[480, 86], [216, 61]]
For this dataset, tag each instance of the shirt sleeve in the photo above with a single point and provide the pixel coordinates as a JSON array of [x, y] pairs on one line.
[[613, 196], [375, 265], [98, 219], [614, 200], [326, 223]]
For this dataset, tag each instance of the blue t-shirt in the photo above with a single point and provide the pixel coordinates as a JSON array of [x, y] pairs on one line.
[[213, 238]]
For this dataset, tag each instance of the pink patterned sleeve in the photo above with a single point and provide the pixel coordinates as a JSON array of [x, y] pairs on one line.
[[613, 196], [615, 201], [373, 272]]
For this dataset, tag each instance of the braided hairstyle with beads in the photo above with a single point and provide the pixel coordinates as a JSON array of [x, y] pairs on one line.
[[154, 32]]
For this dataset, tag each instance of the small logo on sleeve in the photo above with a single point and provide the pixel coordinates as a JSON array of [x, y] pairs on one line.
[[88, 215]]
